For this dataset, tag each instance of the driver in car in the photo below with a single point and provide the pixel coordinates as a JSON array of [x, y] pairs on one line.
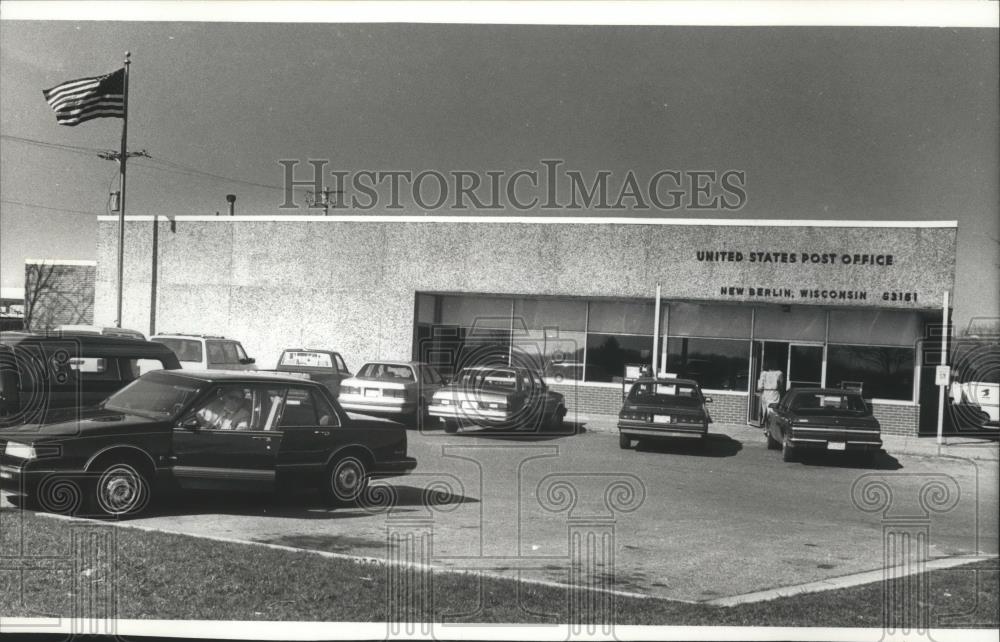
[[230, 412]]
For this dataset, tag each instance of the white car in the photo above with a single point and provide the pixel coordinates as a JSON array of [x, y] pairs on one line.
[[207, 352], [400, 390]]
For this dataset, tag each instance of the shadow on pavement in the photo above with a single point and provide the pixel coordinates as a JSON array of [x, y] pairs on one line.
[[879, 461], [714, 445], [569, 429]]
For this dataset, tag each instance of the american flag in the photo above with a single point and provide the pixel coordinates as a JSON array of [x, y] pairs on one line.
[[77, 101]]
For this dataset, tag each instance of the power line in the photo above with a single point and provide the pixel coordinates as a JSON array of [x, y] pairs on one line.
[[42, 143], [46, 207], [167, 165]]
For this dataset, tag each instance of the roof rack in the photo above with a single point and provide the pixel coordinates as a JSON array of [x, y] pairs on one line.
[[189, 334]]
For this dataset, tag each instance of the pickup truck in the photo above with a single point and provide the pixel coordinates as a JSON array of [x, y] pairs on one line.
[[322, 366]]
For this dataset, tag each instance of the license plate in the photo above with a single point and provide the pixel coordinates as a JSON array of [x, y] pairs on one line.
[[470, 405], [836, 445], [661, 419], [373, 392]]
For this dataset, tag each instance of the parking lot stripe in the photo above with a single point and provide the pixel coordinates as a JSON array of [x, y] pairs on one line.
[[846, 581], [364, 559]]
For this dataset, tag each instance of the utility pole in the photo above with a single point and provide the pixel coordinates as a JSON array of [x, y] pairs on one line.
[[116, 156], [323, 199]]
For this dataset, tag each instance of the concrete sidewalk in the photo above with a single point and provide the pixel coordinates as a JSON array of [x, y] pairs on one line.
[[962, 446]]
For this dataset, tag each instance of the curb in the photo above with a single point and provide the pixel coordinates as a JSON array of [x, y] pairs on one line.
[[983, 450]]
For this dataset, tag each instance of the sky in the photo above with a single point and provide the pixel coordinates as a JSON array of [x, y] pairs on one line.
[[827, 122]]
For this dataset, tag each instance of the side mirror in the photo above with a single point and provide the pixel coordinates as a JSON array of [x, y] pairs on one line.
[[708, 400], [772, 406], [191, 423], [248, 361]]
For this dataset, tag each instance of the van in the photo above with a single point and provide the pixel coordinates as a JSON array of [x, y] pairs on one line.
[[41, 373], [207, 352]]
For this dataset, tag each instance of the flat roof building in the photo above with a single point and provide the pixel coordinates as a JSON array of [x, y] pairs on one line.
[[830, 303]]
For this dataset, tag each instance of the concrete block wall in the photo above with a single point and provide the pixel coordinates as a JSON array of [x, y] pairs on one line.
[[350, 285]]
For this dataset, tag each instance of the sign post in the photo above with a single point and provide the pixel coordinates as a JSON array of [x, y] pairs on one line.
[[942, 375]]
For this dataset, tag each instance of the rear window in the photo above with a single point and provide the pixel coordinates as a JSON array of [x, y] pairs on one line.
[[185, 349], [386, 371], [658, 392], [827, 403], [306, 359]]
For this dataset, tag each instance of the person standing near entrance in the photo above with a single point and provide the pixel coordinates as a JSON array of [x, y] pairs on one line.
[[770, 385]]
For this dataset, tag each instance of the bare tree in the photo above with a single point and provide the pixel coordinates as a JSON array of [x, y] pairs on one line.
[[46, 298]]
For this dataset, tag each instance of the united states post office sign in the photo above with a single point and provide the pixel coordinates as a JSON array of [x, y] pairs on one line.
[[876, 267]]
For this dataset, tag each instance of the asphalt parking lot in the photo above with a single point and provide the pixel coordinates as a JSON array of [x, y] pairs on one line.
[[680, 521]]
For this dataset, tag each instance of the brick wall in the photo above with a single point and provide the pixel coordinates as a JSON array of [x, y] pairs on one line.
[[58, 292], [601, 400], [898, 419]]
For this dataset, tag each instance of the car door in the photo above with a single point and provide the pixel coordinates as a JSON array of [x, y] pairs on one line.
[[229, 453], [308, 422]]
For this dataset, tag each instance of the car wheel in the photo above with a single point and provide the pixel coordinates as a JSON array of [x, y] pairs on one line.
[[772, 443], [121, 490], [787, 450], [624, 442], [450, 426], [346, 479]]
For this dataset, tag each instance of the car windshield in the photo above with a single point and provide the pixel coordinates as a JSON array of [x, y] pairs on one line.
[[155, 395], [665, 393], [827, 403], [389, 371]]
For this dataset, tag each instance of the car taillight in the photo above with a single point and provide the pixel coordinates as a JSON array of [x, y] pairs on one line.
[[634, 416], [350, 390], [395, 393], [495, 405]]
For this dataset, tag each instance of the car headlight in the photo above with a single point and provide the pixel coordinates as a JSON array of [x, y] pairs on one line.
[[22, 451]]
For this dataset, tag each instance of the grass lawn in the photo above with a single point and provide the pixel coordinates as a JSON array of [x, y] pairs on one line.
[[166, 576]]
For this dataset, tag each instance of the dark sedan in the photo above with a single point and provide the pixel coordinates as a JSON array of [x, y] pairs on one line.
[[225, 430], [822, 419], [663, 407]]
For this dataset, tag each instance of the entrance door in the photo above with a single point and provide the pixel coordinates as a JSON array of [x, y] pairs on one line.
[[802, 365], [764, 354]]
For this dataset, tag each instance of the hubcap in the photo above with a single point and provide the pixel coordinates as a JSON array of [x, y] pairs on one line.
[[121, 490]]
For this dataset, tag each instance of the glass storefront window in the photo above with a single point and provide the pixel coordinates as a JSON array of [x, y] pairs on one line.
[[560, 314], [621, 317], [789, 324], [883, 372], [699, 320], [716, 364], [607, 355], [876, 327]]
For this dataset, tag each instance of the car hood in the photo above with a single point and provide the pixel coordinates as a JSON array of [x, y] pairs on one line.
[[90, 423]]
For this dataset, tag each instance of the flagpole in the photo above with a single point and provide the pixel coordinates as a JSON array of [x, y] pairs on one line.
[[121, 202]]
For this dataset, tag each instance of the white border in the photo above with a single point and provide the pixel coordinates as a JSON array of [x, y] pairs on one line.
[[271, 630], [533, 220], [914, 13]]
